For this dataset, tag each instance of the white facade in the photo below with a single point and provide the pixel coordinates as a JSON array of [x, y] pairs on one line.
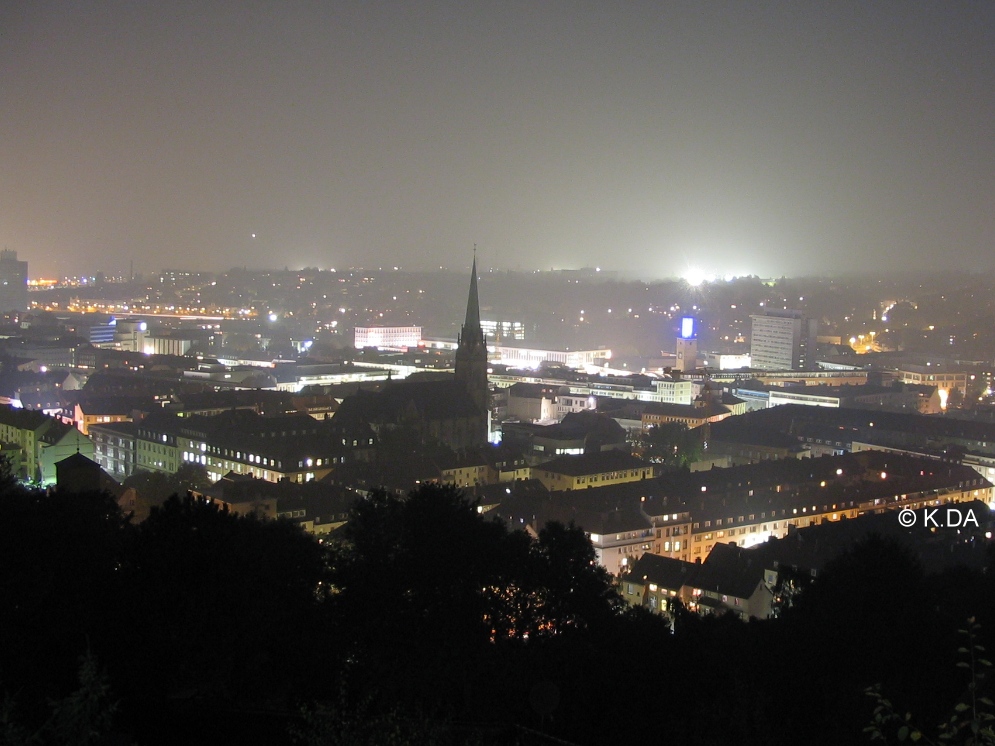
[[775, 342], [523, 357], [724, 361], [166, 346], [795, 396], [668, 391], [570, 403], [387, 336]]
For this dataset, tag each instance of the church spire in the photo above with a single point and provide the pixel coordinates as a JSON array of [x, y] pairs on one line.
[[472, 321], [471, 352]]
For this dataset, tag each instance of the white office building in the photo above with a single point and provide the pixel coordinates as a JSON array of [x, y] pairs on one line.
[[782, 340]]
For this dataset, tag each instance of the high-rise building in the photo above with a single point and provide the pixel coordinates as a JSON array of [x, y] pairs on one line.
[[13, 282], [783, 340]]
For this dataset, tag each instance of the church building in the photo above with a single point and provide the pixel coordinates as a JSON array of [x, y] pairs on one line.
[[454, 412]]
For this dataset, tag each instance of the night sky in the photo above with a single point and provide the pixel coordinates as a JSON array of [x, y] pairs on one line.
[[649, 137]]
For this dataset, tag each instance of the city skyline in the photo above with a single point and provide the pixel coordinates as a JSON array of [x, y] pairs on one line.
[[702, 140]]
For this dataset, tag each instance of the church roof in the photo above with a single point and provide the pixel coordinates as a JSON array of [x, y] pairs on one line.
[[77, 460], [433, 400]]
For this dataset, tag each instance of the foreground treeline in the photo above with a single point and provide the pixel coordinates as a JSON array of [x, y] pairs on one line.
[[429, 623]]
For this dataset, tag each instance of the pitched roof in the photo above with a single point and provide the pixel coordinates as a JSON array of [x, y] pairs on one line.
[[730, 570], [77, 460], [432, 400], [665, 572], [23, 419]]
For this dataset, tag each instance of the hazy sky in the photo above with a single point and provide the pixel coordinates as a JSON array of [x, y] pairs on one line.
[[737, 137]]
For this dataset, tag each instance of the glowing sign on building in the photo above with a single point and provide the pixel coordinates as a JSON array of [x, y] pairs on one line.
[[687, 327]]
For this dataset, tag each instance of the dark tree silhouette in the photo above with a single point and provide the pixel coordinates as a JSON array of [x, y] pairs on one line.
[[218, 603], [59, 589], [672, 444], [435, 599]]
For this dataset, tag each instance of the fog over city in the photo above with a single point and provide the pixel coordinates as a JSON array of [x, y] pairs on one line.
[[654, 139]]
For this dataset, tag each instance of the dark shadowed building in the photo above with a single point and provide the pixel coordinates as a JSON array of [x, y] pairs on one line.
[[78, 474], [452, 411]]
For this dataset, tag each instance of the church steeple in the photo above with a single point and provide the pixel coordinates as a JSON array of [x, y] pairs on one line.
[[471, 333], [472, 320], [471, 353]]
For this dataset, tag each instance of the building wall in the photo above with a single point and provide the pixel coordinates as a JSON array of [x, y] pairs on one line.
[[167, 346], [85, 421], [469, 476], [945, 381], [615, 552], [776, 398], [387, 336], [775, 342], [13, 283], [649, 420], [529, 409], [554, 481], [758, 604], [114, 451], [531, 358], [746, 530], [156, 456]]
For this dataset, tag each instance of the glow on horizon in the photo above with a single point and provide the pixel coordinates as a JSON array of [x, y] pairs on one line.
[[696, 276]]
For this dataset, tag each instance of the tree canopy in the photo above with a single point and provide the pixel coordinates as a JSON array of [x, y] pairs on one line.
[[672, 444], [443, 623]]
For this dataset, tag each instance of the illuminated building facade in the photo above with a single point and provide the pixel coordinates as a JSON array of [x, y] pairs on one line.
[[514, 330], [393, 337]]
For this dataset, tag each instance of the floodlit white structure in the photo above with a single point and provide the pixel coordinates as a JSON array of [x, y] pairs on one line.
[[666, 390], [387, 336], [523, 357], [724, 361]]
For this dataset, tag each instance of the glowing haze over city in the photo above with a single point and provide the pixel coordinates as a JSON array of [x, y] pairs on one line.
[[700, 140]]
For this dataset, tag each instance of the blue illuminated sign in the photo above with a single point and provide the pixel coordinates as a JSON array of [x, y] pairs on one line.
[[687, 327]]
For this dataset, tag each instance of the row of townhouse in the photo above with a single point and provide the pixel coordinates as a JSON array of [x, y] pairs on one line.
[[572, 472], [295, 447], [758, 581], [750, 504], [685, 515]]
